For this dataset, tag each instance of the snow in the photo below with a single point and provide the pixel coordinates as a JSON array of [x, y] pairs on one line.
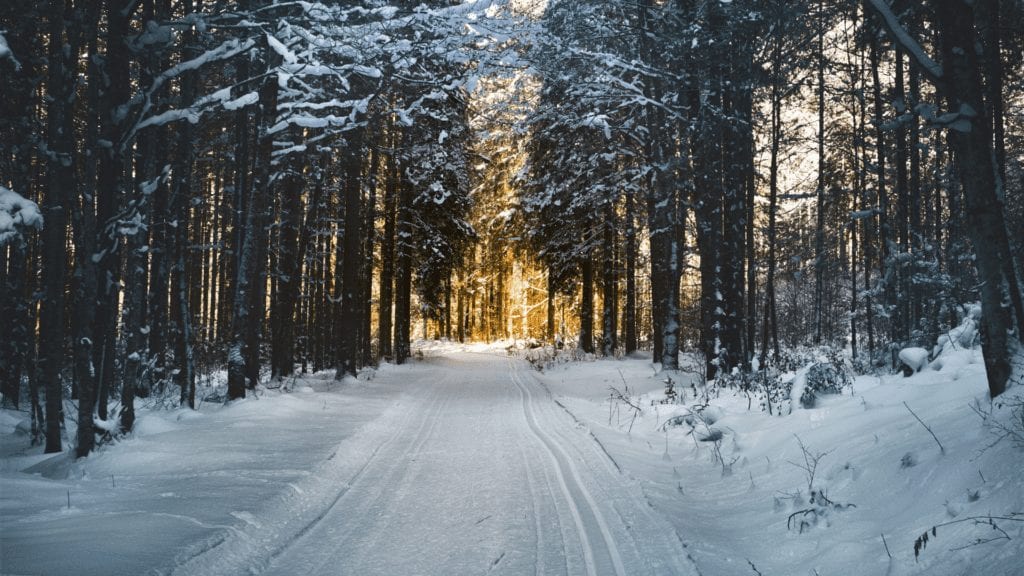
[[469, 461], [242, 101], [732, 508], [932, 68], [282, 50], [914, 358], [7, 54], [17, 214]]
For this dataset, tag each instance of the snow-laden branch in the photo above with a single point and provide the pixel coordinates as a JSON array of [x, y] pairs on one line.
[[930, 68], [226, 50], [16, 214], [7, 54]]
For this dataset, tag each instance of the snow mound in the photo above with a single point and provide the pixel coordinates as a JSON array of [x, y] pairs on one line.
[[914, 358]]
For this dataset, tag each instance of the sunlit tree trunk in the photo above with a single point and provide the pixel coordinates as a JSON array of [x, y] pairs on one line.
[[387, 251], [366, 357], [629, 318], [586, 343]]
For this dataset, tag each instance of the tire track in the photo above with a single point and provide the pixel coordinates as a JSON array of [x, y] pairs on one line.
[[571, 484], [260, 547], [397, 465], [637, 500], [532, 484]]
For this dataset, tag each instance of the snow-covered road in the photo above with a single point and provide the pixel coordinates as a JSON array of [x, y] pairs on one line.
[[469, 462], [476, 471]]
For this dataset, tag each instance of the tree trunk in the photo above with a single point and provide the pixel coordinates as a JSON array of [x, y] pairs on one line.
[[631, 344], [403, 273], [885, 261], [771, 325], [586, 343], [366, 357], [351, 304], [181, 195], [85, 230], [248, 304], [819, 234], [288, 273], [971, 137], [387, 255], [609, 282], [60, 187]]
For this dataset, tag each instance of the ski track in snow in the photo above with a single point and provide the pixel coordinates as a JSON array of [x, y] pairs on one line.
[[476, 470]]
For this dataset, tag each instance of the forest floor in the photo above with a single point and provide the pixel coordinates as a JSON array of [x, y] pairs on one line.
[[468, 461]]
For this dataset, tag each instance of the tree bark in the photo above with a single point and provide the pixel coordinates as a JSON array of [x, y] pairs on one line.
[[351, 305], [60, 186], [387, 251], [609, 282], [586, 343], [630, 340], [963, 91]]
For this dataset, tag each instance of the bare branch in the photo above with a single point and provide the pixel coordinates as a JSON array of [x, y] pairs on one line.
[[926, 427]]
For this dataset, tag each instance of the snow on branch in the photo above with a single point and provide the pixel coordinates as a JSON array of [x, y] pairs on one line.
[[16, 214], [7, 54], [930, 68], [225, 51]]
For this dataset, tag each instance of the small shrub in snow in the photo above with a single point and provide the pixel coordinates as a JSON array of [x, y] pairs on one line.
[[670, 391], [827, 377], [773, 390], [619, 399], [820, 506], [1004, 419], [909, 460]]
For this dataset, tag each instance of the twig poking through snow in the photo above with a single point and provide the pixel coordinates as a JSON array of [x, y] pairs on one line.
[[942, 450]]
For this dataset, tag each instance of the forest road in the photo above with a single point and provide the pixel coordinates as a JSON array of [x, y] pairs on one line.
[[483, 472]]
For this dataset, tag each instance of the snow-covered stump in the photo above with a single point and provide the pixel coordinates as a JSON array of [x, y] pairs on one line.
[[912, 360]]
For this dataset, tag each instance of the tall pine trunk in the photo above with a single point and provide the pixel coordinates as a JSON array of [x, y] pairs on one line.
[[60, 184]]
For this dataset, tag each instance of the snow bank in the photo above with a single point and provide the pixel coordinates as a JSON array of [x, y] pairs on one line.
[[182, 479], [743, 496]]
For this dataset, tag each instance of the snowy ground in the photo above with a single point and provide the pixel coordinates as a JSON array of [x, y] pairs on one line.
[[879, 459], [470, 462]]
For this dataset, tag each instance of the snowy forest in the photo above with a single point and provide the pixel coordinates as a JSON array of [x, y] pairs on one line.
[[203, 201]]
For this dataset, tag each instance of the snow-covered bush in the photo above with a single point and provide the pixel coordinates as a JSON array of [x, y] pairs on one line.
[[545, 357], [821, 378], [802, 374], [773, 389]]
